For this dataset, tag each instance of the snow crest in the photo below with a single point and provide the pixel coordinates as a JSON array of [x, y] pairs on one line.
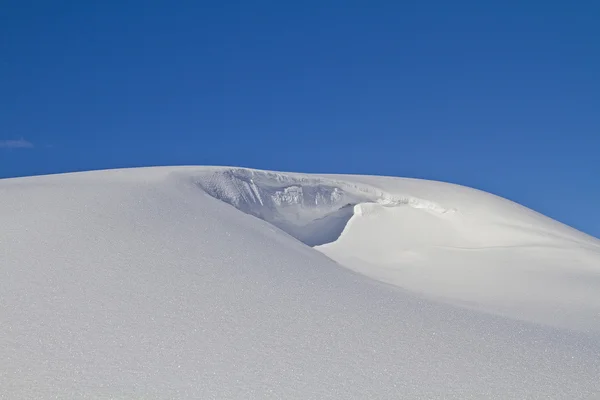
[[314, 210]]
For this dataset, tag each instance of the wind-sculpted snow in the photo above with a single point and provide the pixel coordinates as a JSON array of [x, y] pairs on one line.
[[313, 210], [147, 283]]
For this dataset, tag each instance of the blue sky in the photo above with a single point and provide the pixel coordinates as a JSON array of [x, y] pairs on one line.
[[501, 96]]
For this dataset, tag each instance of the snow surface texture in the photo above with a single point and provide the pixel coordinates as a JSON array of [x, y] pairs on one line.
[[150, 283]]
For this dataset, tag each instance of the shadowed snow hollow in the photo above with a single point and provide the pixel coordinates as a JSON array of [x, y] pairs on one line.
[[313, 210]]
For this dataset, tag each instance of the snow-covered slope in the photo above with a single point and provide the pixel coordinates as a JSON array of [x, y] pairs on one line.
[[163, 283]]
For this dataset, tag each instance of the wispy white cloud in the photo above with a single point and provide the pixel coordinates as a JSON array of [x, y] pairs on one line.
[[15, 144]]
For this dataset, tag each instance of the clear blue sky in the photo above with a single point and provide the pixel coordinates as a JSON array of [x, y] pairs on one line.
[[503, 96]]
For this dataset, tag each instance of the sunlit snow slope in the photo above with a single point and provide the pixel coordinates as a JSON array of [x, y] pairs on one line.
[[228, 283]]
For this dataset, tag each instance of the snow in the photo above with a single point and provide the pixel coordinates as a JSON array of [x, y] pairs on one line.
[[201, 282]]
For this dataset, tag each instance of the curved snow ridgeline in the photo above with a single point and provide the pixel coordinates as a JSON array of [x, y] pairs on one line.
[[230, 283], [311, 209]]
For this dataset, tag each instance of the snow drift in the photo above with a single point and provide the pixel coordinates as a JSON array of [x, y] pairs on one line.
[[209, 282]]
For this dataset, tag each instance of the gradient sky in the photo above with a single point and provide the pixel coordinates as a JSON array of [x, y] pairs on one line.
[[503, 96]]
